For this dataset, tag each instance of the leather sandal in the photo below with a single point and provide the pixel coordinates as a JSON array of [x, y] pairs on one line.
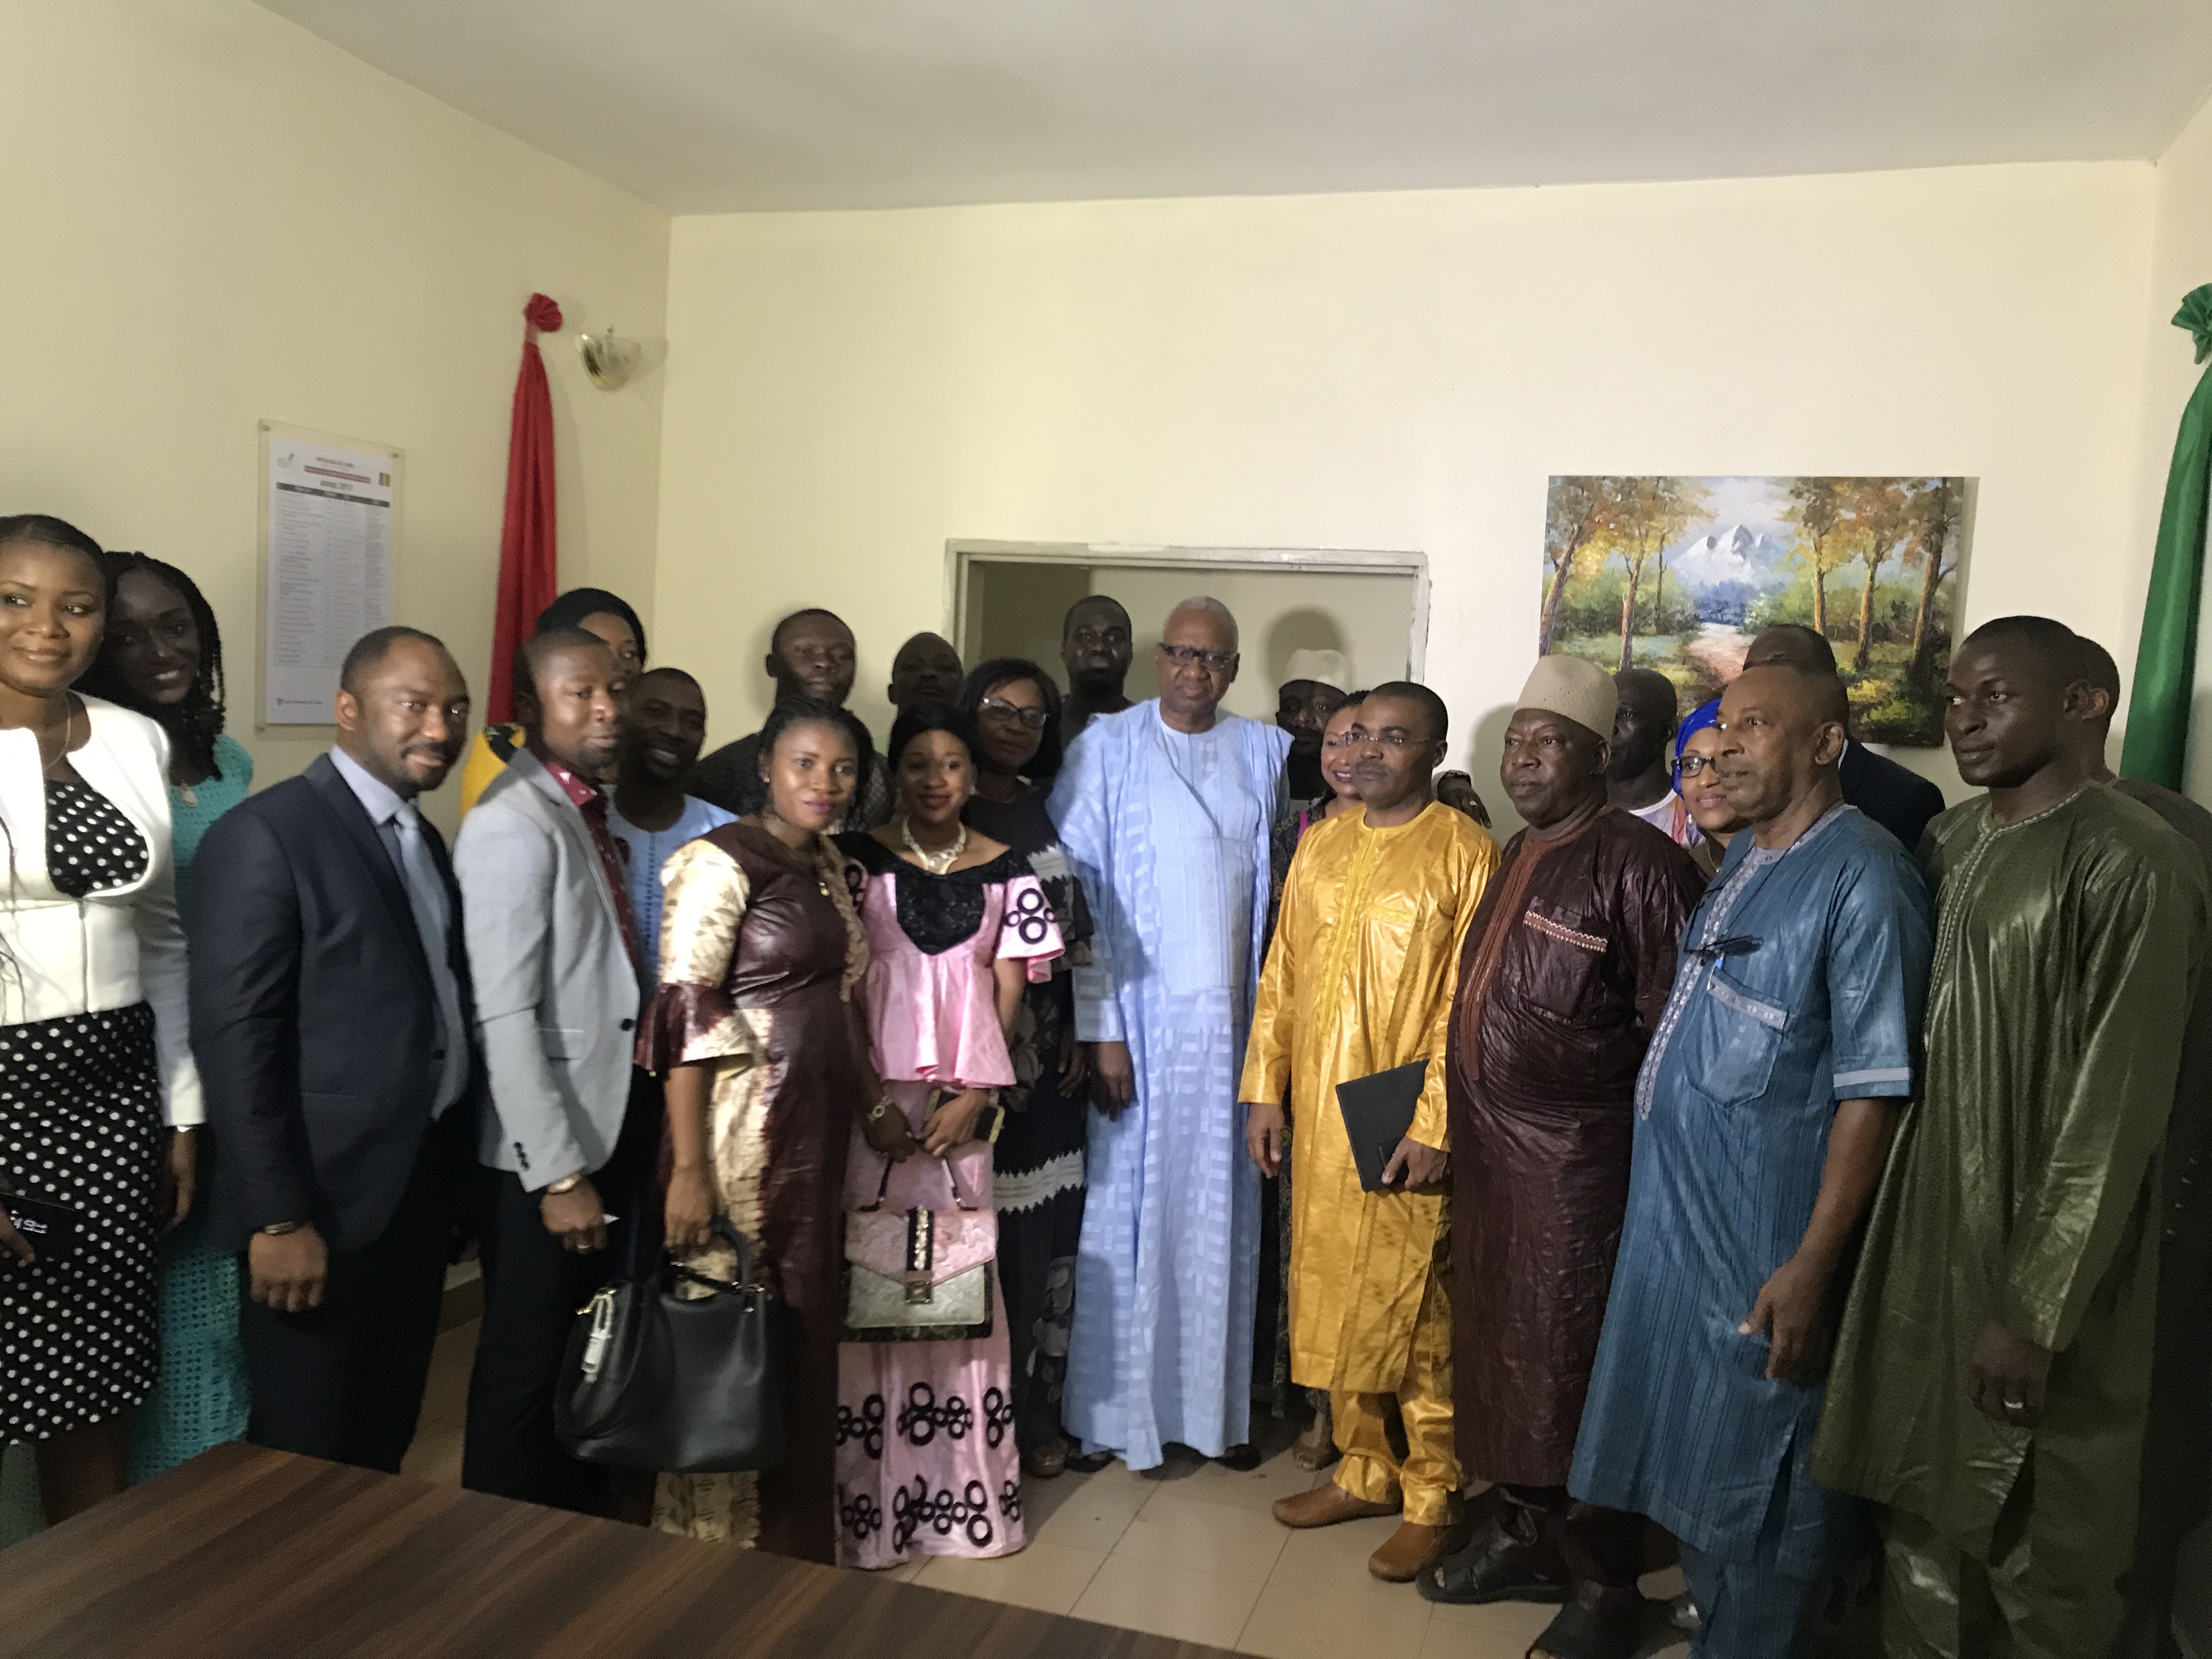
[[1046, 1462], [1610, 1627], [1492, 1570]]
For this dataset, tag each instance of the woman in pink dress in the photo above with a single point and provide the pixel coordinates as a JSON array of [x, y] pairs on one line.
[[926, 1460]]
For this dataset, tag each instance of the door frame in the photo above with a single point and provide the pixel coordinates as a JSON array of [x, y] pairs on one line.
[[963, 552]]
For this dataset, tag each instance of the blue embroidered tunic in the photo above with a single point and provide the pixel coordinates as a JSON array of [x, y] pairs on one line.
[[1800, 985]]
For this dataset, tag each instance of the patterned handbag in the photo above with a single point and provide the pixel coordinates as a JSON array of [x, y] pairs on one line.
[[919, 1275]]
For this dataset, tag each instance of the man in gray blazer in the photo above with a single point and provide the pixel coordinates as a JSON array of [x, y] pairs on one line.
[[552, 953]]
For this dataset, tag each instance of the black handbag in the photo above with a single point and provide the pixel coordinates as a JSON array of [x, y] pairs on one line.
[[655, 1379]]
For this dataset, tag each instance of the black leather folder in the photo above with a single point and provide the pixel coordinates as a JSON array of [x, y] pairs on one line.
[[1378, 1112]]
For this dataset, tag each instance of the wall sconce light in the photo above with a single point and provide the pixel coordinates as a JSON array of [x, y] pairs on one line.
[[609, 359]]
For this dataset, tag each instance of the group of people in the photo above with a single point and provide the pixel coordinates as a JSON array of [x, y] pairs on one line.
[[1783, 1160]]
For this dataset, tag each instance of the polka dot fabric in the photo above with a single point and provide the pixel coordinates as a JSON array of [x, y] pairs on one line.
[[90, 844], [81, 1126]]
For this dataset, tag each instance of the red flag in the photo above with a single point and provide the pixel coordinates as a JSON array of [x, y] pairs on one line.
[[529, 552]]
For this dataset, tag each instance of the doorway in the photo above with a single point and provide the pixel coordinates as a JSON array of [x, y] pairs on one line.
[[1009, 598]]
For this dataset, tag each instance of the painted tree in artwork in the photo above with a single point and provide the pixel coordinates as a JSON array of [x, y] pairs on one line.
[[1574, 520], [1934, 546], [1816, 508], [1878, 515], [1649, 514]]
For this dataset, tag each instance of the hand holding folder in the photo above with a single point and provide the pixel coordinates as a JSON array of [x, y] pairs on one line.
[[1378, 1113]]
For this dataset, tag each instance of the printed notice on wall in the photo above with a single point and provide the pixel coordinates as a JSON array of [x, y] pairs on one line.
[[328, 542]]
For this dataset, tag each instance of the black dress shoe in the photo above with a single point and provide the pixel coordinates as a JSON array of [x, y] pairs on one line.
[[1243, 1458]]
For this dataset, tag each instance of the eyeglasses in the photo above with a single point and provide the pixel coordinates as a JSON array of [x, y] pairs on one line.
[[1182, 656], [1690, 765], [1394, 737], [999, 710]]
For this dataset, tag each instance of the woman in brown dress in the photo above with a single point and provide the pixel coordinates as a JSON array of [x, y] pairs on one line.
[[765, 1049]]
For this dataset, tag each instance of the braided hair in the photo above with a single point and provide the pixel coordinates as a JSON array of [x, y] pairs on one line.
[[194, 723]]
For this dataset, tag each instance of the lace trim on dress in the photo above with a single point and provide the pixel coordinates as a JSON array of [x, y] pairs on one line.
[[936, 911]]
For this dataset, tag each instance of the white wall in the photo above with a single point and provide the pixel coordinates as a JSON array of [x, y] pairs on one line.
[[1367, 617], [209, 216], [846, 391]]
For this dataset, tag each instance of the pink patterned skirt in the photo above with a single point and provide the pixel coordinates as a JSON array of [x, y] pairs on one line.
[[927, 1463]]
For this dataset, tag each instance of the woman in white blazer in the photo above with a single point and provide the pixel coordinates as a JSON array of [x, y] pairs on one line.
[[98, 1096]]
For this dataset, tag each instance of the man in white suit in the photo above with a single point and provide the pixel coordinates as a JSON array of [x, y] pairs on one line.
[[552, 952]]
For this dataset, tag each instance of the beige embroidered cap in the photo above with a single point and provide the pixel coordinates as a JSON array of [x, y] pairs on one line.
[[1574, 687]]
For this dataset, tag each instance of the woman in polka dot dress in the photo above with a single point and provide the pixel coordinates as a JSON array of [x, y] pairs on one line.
[[98, 1097]]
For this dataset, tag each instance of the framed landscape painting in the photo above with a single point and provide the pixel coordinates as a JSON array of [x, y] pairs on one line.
[[1679, 574]]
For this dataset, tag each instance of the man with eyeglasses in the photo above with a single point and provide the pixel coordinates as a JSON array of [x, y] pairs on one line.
[[1567, 965], [1164, 809], [1359, 981], [1096, 646], [1763, 1110], [810, 654]]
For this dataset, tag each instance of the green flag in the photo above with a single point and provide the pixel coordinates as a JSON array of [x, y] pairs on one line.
[[2166, 659]]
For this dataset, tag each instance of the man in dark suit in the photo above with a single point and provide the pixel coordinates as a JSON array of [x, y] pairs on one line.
[[330, 1007], [1895, 797]]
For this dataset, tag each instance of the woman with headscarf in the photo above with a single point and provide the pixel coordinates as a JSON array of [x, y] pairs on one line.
[[596, 611], [1697, 780], [1037, 1162], [162, 658]]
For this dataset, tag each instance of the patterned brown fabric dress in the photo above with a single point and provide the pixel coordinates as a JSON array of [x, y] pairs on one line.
[[1567, 968], [760, 952]]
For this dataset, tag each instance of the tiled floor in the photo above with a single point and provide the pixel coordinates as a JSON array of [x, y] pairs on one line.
[[1188, 1550]]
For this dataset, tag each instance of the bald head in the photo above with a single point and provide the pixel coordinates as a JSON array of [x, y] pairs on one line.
[[1780, 734], [1793, 643]]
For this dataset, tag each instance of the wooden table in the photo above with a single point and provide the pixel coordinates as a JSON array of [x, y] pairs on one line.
[[243, 1553]]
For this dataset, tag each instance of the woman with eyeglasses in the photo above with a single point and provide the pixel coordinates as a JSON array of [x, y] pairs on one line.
[[1697, 780], [1315, 1448], [1037, 1163]]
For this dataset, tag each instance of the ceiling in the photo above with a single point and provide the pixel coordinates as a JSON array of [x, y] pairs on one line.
[[707, 106]]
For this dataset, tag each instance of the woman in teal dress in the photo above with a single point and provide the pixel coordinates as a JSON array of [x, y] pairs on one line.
[[163, 657]]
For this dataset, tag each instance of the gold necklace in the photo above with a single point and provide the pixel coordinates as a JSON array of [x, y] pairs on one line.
[[937, 864], [69, 725]]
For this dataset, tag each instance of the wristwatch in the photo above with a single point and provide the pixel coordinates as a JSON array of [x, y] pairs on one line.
[[567, 1184], [278, 1228]]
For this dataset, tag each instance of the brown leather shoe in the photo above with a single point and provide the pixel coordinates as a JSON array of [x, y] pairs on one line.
[[1325, 1505], [1408, 1550]]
